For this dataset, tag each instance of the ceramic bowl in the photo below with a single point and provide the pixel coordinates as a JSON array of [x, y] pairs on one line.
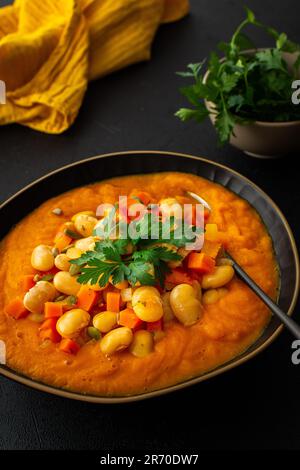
[[265, 139], [106, 166]]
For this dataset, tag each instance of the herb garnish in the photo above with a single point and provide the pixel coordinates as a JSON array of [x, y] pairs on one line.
[[243, 87], [147, 263], [147, 266]]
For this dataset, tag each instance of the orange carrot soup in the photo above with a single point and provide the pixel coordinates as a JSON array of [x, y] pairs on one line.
[[123, 286]]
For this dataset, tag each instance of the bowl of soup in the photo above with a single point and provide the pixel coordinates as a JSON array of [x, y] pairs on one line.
[[115, 281]]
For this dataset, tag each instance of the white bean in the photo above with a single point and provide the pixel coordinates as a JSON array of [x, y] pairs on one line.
[[219, 278], [37, 296], [186, 306], [72, 322], [42, 258], [116, 340], [147, 303], [85, 224], [65, 283]]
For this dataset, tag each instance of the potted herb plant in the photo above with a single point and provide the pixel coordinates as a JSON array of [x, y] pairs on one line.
[[247, 93]]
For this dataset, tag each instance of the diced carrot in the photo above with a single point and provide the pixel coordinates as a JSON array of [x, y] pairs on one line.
[[49, 323], [113, 301], [211, 248], [48, 330], [87, 298], [16, 309], [61, 241], [142, 196], [69, 346], [154, 325], [178, 276], [27, 282], [106, 290], [129, 318], [50, 334], [201, 262], [53, 310]]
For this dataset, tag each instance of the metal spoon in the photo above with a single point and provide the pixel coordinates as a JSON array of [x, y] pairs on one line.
[[291, 325]]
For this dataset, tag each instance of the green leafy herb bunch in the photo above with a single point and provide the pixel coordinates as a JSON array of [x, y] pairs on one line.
[[246, 85]]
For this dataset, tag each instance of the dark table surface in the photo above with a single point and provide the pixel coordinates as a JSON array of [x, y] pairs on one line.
[[255, 406]]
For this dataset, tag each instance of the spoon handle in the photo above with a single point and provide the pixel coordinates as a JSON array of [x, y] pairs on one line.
[[291, 325]]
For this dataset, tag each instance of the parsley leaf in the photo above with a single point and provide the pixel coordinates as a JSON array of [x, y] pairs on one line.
[[141, 272], [97, 272], [147, 265]]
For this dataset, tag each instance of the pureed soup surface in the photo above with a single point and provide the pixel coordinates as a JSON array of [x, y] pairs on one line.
[[226, 328]]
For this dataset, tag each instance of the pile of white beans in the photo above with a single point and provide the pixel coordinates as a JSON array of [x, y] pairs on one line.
[[183, 303]]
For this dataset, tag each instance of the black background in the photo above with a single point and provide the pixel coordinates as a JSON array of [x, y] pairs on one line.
[[255, 406]]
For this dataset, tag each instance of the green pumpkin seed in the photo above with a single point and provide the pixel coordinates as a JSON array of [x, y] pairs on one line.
[[72, 234], [71, 300], [93, 332], [47, 277], [74, 269]]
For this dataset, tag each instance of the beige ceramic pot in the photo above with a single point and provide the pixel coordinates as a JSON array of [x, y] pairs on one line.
[[265, 139]]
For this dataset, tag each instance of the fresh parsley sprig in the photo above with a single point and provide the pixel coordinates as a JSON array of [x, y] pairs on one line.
[[107, 261], [243, 87]]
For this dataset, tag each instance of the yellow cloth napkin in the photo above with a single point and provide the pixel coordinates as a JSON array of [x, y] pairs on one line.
[[49, 50]]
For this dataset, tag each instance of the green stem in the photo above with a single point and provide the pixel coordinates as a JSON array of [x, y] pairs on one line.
[[237, 32]]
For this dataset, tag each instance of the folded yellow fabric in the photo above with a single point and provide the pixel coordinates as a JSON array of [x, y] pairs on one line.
[[50, 49]]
